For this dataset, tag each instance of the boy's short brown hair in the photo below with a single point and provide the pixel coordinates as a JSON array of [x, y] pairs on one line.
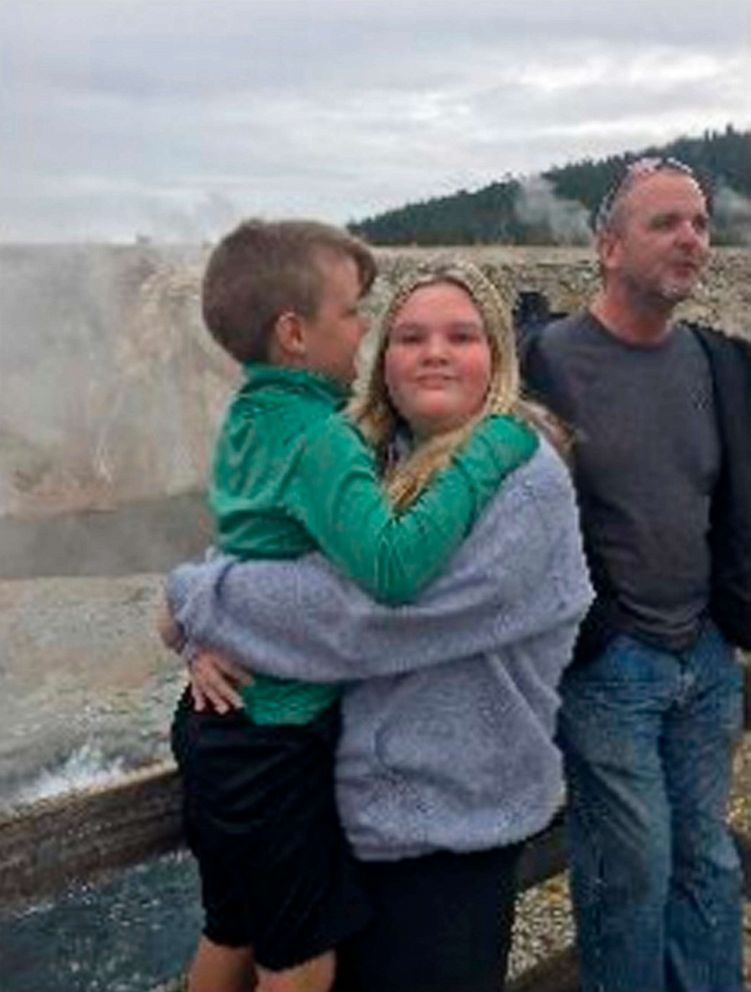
[[264, 268]]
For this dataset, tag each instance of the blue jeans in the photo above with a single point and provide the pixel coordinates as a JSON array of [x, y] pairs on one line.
[[647, 738]]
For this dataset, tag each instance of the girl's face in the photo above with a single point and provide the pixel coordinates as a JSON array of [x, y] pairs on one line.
[[437, 363]]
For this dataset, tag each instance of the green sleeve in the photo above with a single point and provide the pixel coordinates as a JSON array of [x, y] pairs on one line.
[[336, 495]]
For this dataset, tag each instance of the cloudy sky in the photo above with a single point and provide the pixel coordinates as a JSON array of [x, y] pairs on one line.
[[171, 118]]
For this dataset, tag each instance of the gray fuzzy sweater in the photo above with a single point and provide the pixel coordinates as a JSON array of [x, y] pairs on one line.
[[450, 703]]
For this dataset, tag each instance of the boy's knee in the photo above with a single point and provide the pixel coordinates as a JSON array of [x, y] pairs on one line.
[[316, 975], [219, 968]]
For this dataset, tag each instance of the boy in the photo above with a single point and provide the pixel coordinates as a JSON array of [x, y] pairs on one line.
[[291, 475]]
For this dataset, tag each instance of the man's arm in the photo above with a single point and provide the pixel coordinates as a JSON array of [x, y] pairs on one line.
[[519, 573]]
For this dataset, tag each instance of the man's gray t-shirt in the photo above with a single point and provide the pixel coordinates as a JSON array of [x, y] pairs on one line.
[[646, 460]]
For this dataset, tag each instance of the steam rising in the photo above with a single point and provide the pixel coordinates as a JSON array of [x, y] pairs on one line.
[[732, 213], [206, 220], [558, 220], [111, 386]]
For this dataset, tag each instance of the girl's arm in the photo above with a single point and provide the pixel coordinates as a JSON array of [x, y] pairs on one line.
[[519, 574]]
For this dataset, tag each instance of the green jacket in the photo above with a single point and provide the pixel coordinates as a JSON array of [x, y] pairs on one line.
[[292, 475]]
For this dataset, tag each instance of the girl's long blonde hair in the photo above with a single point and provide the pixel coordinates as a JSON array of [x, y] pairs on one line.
[[371, 407]]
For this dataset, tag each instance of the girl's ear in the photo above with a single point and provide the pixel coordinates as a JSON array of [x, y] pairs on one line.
[[289, 337]]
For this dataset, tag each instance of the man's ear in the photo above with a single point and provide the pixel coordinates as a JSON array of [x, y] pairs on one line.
[[289, 336], [608, 243]]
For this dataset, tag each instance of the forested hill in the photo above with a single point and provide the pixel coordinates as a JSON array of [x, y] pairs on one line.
[[556, 207]]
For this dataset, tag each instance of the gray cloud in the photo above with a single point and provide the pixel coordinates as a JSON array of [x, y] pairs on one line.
[[142, 115]]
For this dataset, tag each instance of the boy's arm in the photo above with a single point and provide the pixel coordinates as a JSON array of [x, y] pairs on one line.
[[335, 492], [516, 576]]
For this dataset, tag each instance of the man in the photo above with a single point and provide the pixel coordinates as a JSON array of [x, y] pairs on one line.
[[661, 414]]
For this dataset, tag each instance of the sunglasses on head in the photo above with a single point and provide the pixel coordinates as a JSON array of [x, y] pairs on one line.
[[635, 170]]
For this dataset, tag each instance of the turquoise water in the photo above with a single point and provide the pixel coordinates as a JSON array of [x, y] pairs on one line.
[[131, 933]]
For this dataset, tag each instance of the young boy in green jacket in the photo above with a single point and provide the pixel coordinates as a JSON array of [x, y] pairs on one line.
[[292, 475]]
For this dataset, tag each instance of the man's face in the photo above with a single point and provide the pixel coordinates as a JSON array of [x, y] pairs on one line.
[[660, 245], [333, 336]]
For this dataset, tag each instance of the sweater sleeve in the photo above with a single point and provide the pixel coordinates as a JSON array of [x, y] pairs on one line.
[[520, 574], [334, 491]]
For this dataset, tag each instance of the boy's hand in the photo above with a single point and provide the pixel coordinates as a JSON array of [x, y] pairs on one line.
[[168, 629], [214, 681]]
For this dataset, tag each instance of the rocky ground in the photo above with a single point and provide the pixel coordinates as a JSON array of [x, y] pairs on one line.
[[87, 688], [568, 278]]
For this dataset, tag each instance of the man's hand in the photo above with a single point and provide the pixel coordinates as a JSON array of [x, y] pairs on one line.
[[168, 629], [215, 681]]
